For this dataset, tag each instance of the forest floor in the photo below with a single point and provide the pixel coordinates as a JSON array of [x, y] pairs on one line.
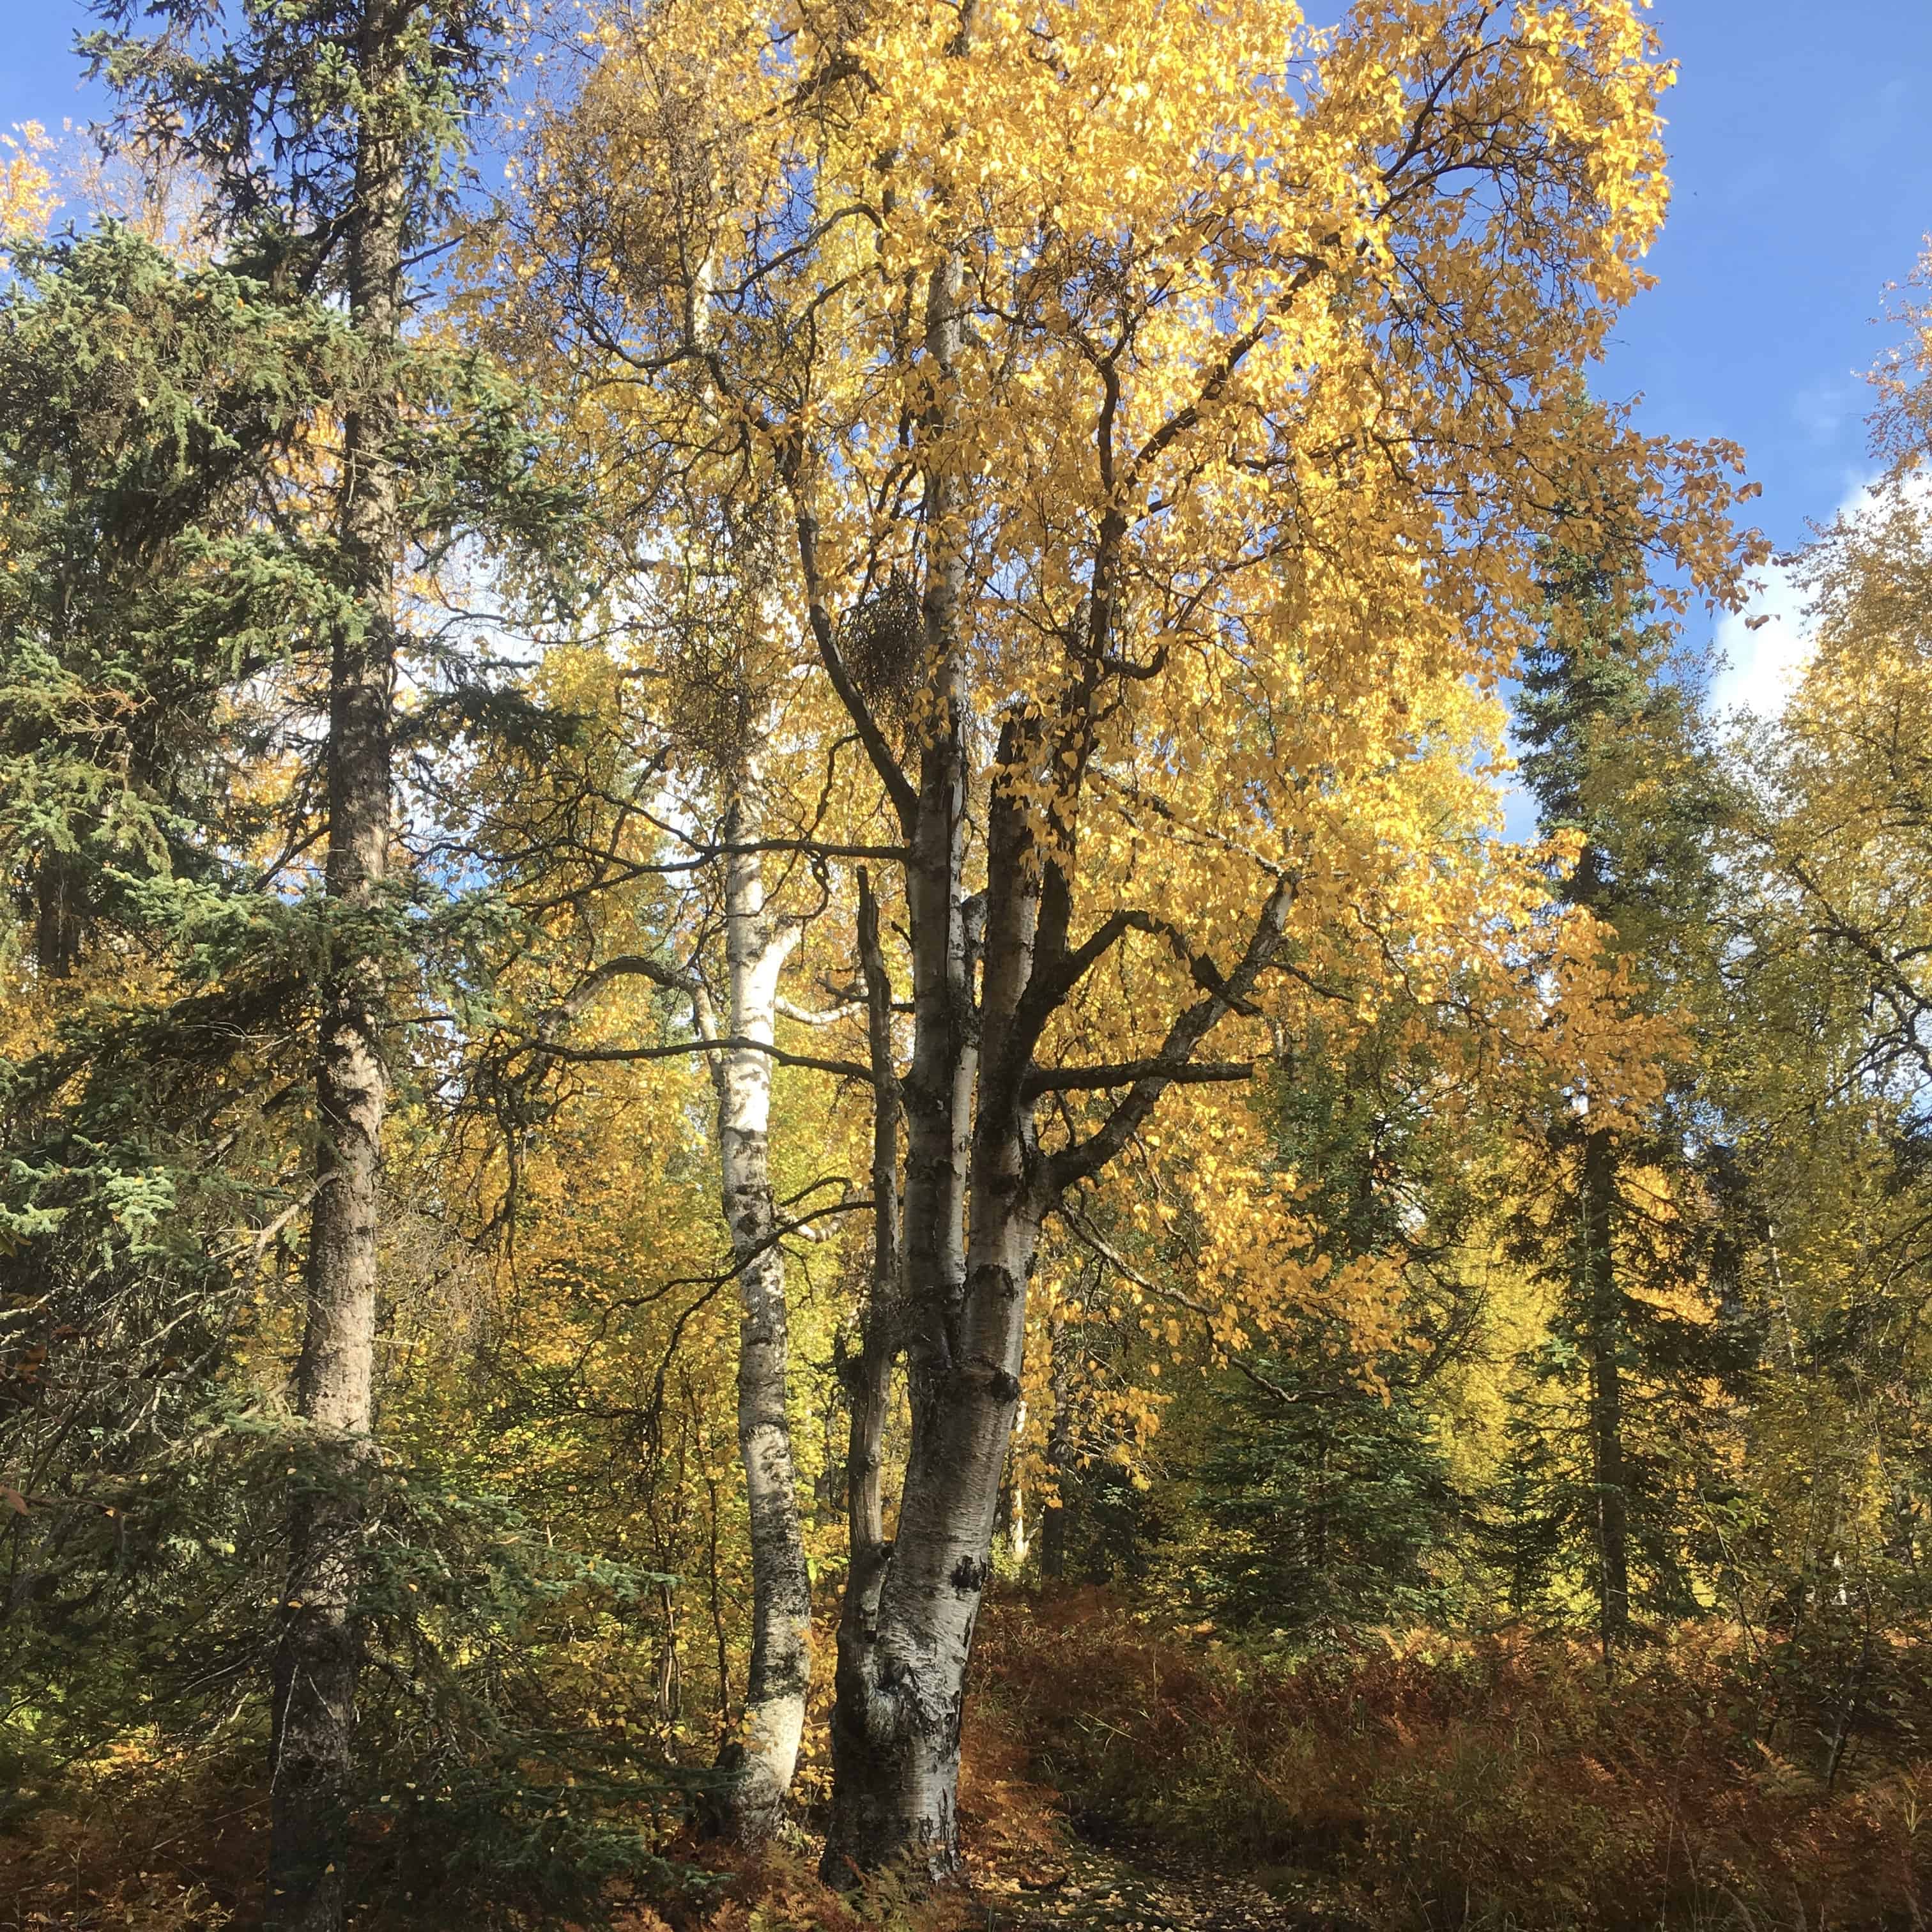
[[1031, 1870], [1119, 1777], [1093, 1890]]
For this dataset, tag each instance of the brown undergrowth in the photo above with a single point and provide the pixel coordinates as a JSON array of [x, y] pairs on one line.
[[1425, 1782], [1504, 1782]]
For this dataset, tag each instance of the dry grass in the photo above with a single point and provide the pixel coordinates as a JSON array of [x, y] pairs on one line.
[[1461, 1783], [1426, 1782]]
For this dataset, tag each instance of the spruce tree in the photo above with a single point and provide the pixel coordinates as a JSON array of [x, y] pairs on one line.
[[1327, 1496], [1615, 751], [319, 456]]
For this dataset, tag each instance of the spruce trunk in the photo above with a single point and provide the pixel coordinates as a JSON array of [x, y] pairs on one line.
[[1604, 1301], [319, 1646], [1056, 1519]]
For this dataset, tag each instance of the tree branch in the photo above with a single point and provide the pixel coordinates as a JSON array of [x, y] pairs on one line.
[[1125, 1073], [1084, 1158], [846, 1070]]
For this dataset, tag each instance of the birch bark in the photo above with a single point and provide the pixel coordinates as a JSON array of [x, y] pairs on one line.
[[765, 1757]]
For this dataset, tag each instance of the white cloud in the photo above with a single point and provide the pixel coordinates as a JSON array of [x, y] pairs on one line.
[[1763, 648], [1822, 409]]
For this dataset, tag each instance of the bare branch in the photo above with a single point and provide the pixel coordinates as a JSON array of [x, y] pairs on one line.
[[846, 1070], [1084, 1158], [1125, 1073]]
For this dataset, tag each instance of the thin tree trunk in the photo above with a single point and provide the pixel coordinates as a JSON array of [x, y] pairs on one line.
[[59, 915], [1056, 1519], [1012, 1495], [1606, 1341], [318, 1649], [670, 1680], [869, 1376], [716, 1580], [766, 1756]]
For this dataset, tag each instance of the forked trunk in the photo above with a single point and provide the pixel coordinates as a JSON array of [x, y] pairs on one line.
[[901, 1678]]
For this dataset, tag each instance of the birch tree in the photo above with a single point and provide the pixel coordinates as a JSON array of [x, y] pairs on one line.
[[1195, 391]]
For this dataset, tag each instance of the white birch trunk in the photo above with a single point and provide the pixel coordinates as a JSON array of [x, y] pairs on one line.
[[766, 1757]]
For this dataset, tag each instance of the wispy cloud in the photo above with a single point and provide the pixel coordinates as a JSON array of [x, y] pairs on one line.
[[1764, 648], [1823, 409]]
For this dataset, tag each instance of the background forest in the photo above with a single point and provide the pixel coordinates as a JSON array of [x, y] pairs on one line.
[[785, 1143]]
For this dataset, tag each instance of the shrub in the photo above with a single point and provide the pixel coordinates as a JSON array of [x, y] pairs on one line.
[[1504, 1782]]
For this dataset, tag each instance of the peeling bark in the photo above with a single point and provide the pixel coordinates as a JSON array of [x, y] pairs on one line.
[[765, 1756]]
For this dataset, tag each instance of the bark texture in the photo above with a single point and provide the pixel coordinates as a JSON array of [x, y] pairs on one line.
[[319, 1648], [1605, 1304], [765, 1756]]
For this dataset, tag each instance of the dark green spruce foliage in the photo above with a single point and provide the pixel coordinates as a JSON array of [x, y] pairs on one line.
[[151, 418], [1619, 1218], [175, 581], [1326, 1502], [1326, 1496]]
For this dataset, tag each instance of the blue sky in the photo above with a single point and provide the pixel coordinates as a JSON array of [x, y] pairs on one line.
[[1803, 177], [1802, 180]]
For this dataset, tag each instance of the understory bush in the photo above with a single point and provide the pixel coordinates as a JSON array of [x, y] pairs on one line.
[[1507, 1781]]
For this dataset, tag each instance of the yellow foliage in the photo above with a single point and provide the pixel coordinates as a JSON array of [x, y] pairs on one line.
[[27, 197]]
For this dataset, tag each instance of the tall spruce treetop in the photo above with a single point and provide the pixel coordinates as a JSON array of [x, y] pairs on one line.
[[314, 123], [1614, 750], [153, 418]]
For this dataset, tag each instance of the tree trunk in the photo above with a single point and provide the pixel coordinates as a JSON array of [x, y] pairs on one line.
[[868, 1374], [1056, 1519], [869, 1377], [764, 1758], [1604, 1300], [59, 914], [319, 1648], [1013, 1520], [902, 1682]]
